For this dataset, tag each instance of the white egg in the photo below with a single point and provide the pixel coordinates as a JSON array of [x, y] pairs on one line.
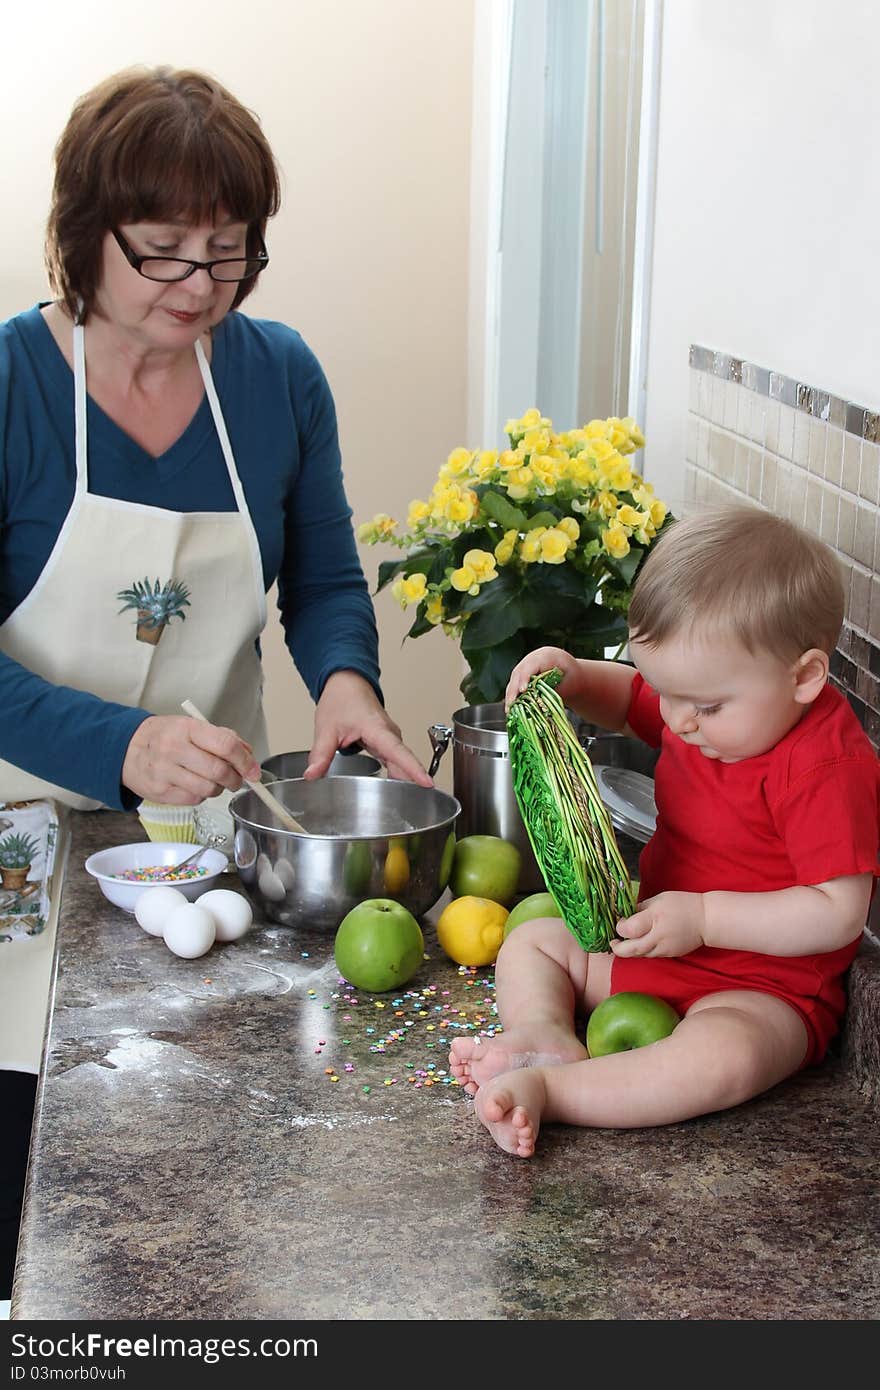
[[155, 905], [189, 931], [270, 885], [231, 912], [286, 872]]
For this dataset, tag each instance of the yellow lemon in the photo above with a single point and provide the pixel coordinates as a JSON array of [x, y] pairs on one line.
[[470, 930], [396, 869]]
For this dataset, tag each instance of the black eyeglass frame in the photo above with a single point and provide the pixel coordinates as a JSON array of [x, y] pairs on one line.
[[136, 262]]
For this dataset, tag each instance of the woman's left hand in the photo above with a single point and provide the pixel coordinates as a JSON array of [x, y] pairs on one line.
[[349, 711]]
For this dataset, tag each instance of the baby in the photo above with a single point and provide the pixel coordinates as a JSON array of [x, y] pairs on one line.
[[755, 886]]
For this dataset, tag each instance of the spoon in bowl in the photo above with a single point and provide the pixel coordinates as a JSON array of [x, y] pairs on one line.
[[184, 863], [275, 806]]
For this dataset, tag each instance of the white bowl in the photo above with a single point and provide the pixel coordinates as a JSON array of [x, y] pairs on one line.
[[124, 893]]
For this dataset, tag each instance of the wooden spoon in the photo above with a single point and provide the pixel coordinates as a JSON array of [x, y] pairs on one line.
[[275, 806]]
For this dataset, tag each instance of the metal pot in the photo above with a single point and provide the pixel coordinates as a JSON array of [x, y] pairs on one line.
[[483, 784], [284, 765], [369, 837]]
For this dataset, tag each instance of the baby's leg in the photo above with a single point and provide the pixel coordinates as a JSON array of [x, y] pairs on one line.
[[541, 976], [728, 1048]]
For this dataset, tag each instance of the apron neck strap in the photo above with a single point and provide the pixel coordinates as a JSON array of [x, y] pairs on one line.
[[79, 408]]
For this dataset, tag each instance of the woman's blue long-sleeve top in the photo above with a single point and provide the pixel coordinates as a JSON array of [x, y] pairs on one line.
[[281, 421]]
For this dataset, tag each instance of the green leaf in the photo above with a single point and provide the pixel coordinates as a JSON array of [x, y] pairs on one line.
[[495, 612], [420, 625], [419, 562], [625, 568], [555, 596], [490, 671], [500, 509], [544, 518]]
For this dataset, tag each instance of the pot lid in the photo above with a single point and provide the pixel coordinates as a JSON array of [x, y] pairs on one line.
[[629, 797]]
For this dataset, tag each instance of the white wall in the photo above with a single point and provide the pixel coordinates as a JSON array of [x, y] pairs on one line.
[[367, 104], [768, 202]]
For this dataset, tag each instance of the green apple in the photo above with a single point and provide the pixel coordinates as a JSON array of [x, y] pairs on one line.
[[446, 860], [378, 945], [537, 905], [628, 1020], [485, 866], [357, 867]]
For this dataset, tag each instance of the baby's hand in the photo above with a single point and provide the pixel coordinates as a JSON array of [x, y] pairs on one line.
[[670, 924], [543, 659]]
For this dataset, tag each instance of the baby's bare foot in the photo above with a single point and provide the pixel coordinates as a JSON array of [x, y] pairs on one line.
[[474, 1061], [511, 1106]]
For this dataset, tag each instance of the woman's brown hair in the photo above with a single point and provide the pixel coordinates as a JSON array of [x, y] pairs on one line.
[[146, 145]]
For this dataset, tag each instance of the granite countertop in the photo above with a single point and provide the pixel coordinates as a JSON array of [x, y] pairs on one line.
[[224, 1138]]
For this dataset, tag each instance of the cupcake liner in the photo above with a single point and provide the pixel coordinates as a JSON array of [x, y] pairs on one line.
[[167, 822]]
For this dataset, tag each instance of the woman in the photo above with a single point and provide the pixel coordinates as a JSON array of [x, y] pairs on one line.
[[164, 461]]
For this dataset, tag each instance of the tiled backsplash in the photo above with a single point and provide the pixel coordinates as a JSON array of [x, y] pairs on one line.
[[805, 454]]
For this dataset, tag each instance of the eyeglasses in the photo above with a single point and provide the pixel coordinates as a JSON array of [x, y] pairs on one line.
[[174, 268]]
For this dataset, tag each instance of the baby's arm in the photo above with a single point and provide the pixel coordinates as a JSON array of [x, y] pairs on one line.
[[599, 691], [798, 921]]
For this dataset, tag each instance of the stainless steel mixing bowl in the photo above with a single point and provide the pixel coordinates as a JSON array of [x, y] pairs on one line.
[[370, 837], [284, 765]]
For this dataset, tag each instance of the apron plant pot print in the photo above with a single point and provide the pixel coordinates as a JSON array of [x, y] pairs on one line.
[[27, 858], [155, 605], [16, 856]]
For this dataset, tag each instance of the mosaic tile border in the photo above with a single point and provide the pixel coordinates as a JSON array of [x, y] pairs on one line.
[[854, 419]]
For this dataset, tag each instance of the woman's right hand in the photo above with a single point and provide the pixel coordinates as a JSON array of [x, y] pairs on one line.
[[542, 659], [182, 761]]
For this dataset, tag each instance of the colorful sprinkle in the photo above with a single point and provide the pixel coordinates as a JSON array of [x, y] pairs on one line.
[[160, 873]]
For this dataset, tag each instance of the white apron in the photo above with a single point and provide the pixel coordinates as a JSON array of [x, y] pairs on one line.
[[110, 555]]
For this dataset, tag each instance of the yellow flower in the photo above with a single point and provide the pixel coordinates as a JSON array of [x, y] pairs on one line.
[[606, 503], [379, 529], [508, 459], [533, 419], [571, 527], [505, 547], [485, 463], [418, 511], [617, 473], [546, 470], [464, 580], [615, 541], [535, 441], [530, 546], [482, 564], [597, 429], [635, 434], [519, 481], [453, 503], [434, 610], [409, 588], [554, 546], [478, 568], [582, 471], [458, 462]]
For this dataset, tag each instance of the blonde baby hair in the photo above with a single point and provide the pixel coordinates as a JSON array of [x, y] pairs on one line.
[[741, 571]]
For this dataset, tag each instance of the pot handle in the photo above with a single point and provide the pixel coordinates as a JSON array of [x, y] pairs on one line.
[[439, 734]]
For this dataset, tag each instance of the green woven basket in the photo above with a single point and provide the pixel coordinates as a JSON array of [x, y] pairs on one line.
[[566, 820]]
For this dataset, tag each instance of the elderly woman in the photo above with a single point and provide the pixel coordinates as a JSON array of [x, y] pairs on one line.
[[163, 457]]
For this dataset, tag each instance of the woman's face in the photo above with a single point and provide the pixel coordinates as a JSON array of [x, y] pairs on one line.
[[168, 314]]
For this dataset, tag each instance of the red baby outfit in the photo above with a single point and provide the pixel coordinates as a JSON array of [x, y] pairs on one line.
[[804, 812]]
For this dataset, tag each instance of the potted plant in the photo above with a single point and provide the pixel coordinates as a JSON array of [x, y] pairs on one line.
[[539, 544], [17, 853], [156, 605]]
